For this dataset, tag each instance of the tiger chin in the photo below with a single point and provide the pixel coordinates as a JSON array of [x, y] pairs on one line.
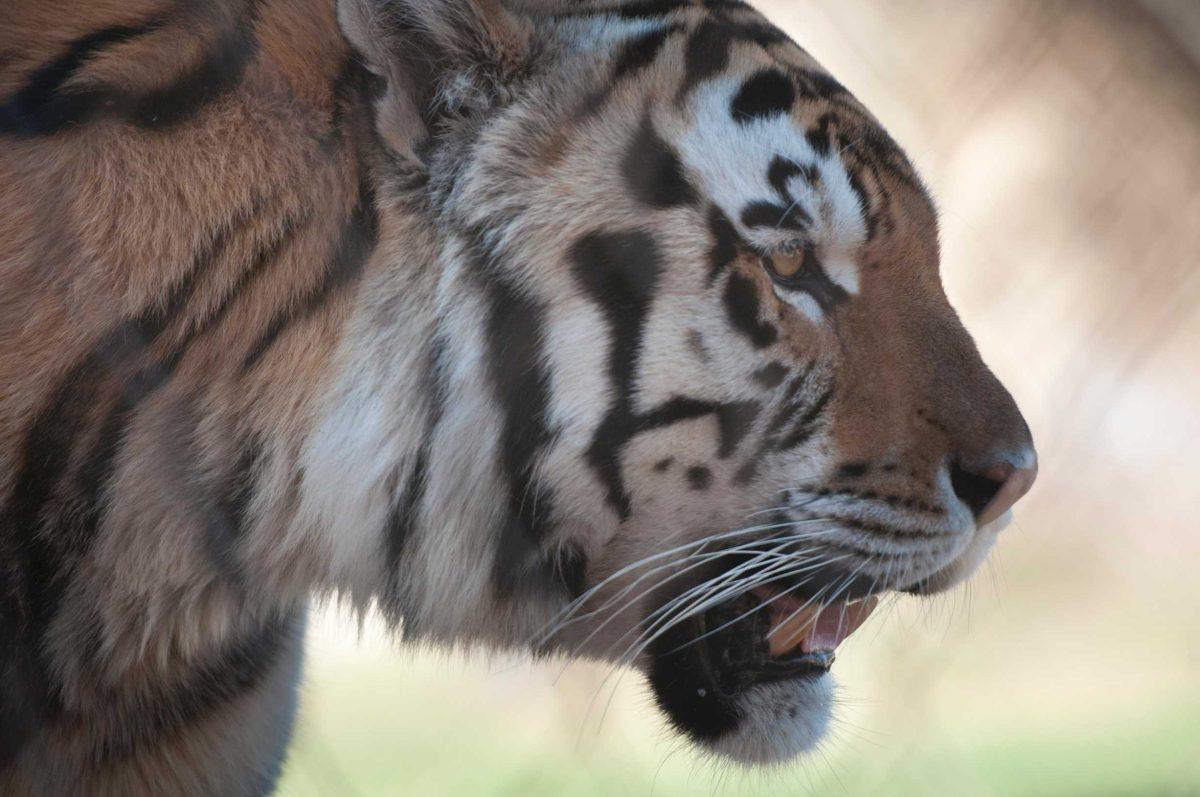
[[605, 330]]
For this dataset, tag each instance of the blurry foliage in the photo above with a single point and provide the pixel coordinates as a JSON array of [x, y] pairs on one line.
[[1062, 142]]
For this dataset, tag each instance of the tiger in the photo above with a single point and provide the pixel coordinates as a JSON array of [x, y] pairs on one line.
[[588, 329]]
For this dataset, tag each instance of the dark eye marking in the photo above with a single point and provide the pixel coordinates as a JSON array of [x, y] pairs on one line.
[[802, 271], [775, 216], [767, 93], [741, 303], [653, 172]]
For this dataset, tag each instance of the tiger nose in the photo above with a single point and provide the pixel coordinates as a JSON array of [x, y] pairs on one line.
[[991, 490]]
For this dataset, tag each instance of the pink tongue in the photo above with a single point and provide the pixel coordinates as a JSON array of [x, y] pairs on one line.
[[812, 628]]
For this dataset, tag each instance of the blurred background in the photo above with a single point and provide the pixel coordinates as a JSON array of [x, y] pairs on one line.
[[1062, 142]]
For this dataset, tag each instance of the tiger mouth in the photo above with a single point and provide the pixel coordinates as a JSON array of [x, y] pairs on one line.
[[700, 667]]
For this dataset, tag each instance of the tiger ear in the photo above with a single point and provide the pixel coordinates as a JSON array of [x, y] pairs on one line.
[[436, 57]]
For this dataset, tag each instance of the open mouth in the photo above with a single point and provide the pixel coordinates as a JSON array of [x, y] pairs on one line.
[[700, 667]]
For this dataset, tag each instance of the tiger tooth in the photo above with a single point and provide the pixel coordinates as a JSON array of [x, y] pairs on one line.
[[815, 628], [787, 632]]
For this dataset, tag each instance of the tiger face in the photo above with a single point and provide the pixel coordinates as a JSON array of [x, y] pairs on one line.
[[701, 396]]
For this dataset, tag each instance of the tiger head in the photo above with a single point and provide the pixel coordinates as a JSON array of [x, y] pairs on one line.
[[695, 394]]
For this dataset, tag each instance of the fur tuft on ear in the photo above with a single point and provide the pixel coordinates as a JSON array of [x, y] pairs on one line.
[[437, 57]]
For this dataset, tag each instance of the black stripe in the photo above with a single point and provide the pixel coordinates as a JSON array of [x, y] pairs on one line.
[[782, 170], [570, 567], [695, 342], [62, 423], [733, 423], [639, 52], [741, 305], [804, 428], [699, 477], [653, 172], [22, 680], [638, 9], [238, 667], [767, 93], [776, 217], [790, 403], [215, 74], [42, 106], [633, 56], [725, 244], [267, 255], [98, 465], [350, 255], [619, 271], [864, 201], [520, 381], [771, 374], [676, 410], [818, 84], [354, 90], [402, 521], [706, 55], [48, 557], [225, 511], [761, 33], [787, 405], [880, 220], [853, 470], [822, 134]]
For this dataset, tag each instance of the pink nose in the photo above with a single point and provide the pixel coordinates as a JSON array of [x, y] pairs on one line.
[[993, 491], [1013, 486]]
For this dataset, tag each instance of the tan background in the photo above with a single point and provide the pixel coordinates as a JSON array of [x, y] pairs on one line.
[[1062, 141]]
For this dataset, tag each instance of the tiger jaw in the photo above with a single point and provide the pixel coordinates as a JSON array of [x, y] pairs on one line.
[[749, 677], [739, 633]]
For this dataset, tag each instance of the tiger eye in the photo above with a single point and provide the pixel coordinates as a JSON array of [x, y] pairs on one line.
[[788, 264]]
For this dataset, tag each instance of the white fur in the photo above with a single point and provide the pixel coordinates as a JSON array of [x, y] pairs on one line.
[[779, 721]]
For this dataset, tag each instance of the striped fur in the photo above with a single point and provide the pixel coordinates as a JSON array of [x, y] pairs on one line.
[[443, 307]]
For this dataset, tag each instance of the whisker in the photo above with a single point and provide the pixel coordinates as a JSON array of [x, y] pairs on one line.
[[715, 597], [579, 601], [741, 617], [698, 560]]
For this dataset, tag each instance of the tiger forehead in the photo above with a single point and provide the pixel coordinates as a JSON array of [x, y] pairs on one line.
[[705, 107], [779, 145]]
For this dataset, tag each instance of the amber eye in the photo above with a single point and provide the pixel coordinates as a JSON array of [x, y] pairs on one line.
[[791, 267]]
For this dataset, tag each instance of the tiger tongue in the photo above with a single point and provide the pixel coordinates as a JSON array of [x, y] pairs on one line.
[[812, 628]]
